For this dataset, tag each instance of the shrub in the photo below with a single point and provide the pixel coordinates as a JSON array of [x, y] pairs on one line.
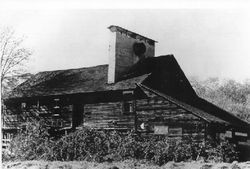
[[7, 155], [86, 144], [34, 143], [222, 152], [31, 143]]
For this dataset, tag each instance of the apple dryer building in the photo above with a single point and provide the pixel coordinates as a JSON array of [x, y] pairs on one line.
[[135, 91]]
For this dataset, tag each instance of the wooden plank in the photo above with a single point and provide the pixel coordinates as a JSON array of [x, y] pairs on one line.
[[146, 108]]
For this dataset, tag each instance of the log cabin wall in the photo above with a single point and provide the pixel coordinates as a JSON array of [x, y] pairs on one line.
[[153, 115], [108, 116], [159, 116]]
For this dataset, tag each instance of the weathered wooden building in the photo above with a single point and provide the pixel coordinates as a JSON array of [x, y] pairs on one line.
[[134, 91]]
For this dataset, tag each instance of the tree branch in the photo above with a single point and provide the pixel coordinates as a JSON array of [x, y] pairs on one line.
[[12, 57]]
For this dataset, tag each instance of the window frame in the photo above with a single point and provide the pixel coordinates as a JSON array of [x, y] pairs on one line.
[[127, 107]]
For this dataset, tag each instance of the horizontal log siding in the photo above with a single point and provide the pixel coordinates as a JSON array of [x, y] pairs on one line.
[[152, 111], [107, 116], [158, 111]]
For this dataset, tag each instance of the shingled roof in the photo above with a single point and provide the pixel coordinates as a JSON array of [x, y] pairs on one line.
[[72, 81]]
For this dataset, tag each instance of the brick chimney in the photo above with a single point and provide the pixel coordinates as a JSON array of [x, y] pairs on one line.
[[125, 49]]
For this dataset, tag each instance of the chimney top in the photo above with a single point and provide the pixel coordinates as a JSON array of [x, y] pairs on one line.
[[114, 28], [126, 48]]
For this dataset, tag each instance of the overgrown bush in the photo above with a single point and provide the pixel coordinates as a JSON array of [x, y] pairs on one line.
[[34, 143], [223, 152], [31, 143], [7, 155]]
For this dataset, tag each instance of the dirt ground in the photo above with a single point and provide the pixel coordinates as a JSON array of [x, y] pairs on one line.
[[129, 164]]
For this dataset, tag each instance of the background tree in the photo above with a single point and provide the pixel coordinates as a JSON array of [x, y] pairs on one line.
[[13, 59], [227, 94]]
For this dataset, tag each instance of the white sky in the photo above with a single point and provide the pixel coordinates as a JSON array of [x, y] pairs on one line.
[[206, 40]]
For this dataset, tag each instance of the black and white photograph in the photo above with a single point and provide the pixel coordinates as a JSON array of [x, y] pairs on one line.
[[125, 85]]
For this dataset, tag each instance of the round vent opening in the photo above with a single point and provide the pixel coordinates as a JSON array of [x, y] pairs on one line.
[[139, 48]]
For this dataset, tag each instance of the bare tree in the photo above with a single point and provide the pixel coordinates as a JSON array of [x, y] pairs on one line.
[[13, 57]]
